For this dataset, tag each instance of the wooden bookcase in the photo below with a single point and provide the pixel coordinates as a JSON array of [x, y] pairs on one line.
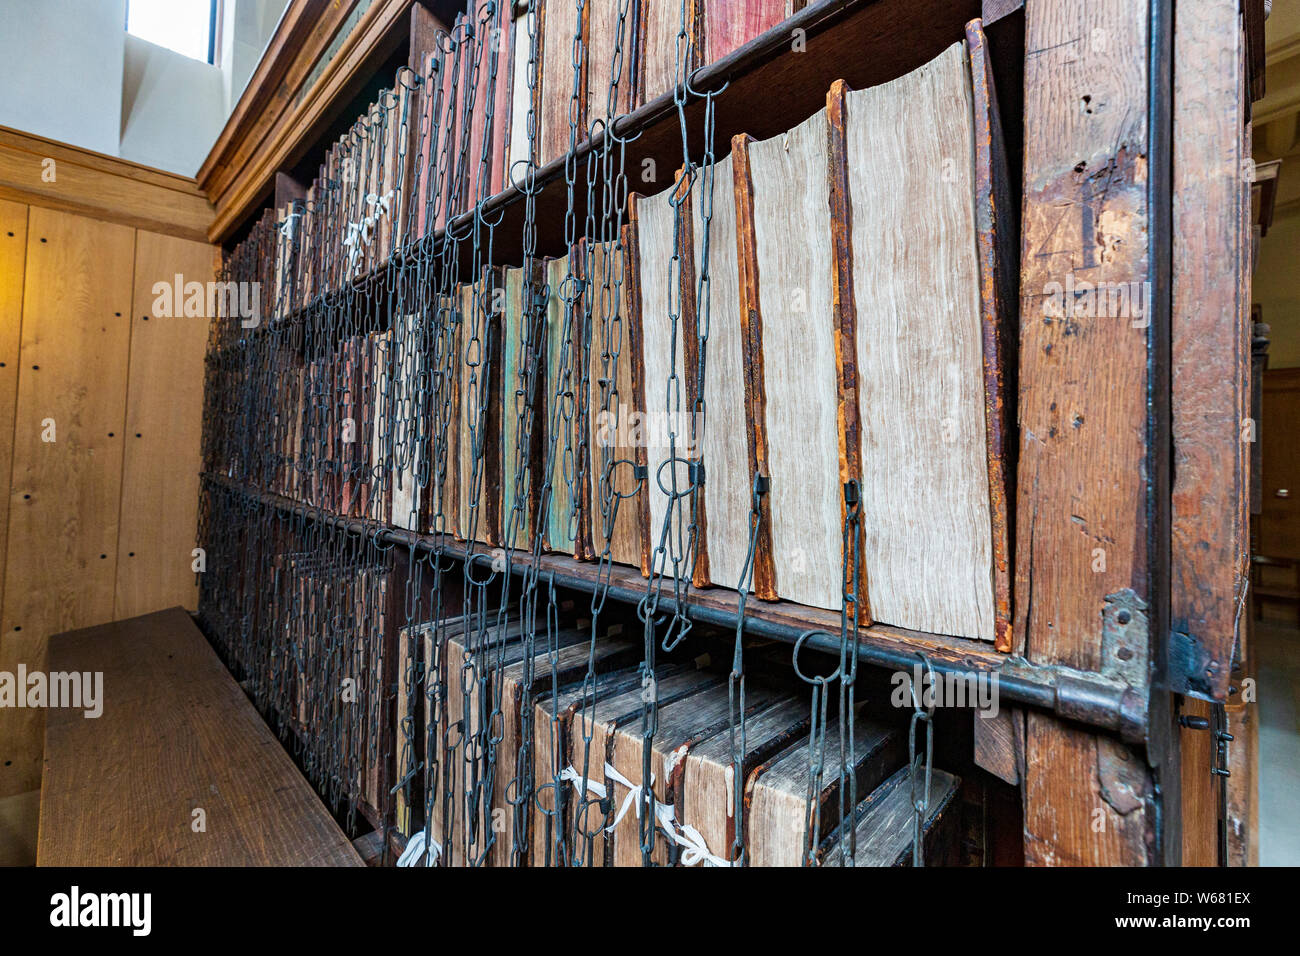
[[1125, 138]]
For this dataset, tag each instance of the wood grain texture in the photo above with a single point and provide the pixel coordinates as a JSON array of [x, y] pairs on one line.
[[406, 363], [791, 198], [1200, 808], [926, 518], [1081, 484], [723, 435], [13, 259], [176, 735], [614, 491], [664, 385], [164, 412], [64, 495], [105, 187], [1211, 341], [605, 722]]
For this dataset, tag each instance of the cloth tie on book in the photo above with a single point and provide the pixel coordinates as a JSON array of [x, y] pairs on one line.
[[694, 849], [415, 849], [361, 233]]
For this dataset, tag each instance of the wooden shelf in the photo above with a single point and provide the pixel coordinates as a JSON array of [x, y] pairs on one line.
[[1081, 697]]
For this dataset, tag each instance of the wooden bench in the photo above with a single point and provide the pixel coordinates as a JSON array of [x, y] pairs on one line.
[[176, 736]]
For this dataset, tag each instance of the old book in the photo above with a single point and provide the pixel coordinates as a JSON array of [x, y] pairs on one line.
[[474, 664], [703, 785], [520, 680], [523, 358], [521, 150], [378, 505], [610, 57], [479, 421], [777, 819], [730, 24], [603, 723], [562, 75], [926, 513], [781, 190], [404, 451], [563, 445], [502, 40], [347, 364], [680, 727], [663, 389], [884, 824], [664, 55], [553, 715], [721, 436], [444, 713], [612, 409], [445, 348]]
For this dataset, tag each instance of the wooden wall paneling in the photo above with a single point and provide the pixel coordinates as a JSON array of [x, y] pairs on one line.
[[13, 258], [1211, 346], [58, 176], [790, 196], [164, 413], [1082, 479], [65, 494]]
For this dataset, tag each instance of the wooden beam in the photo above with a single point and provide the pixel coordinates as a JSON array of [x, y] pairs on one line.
[[244, 169], [43, 172], [1211, 346], [1082, 522]]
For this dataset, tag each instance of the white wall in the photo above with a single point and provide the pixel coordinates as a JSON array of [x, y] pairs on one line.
[[173, 107], [61, 62], [70, 72]]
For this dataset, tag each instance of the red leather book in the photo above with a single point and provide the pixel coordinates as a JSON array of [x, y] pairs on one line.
[[729, 24]]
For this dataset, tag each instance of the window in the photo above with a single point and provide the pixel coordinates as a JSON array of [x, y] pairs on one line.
[[186, 26]]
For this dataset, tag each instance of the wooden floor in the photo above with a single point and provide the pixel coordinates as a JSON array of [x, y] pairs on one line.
[[176, 736]]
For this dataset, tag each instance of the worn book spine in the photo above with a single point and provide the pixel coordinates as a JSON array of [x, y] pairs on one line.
[[632, 270], [563, 444], [612, 488], [562, 77], [751, 340], [844, 312], [999, 273], [730, 24]]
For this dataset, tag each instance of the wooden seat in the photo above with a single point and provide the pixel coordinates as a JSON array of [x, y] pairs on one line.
[[176, 736]]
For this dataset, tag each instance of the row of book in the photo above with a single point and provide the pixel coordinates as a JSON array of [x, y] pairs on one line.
[[508, 88], [575, 795]]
